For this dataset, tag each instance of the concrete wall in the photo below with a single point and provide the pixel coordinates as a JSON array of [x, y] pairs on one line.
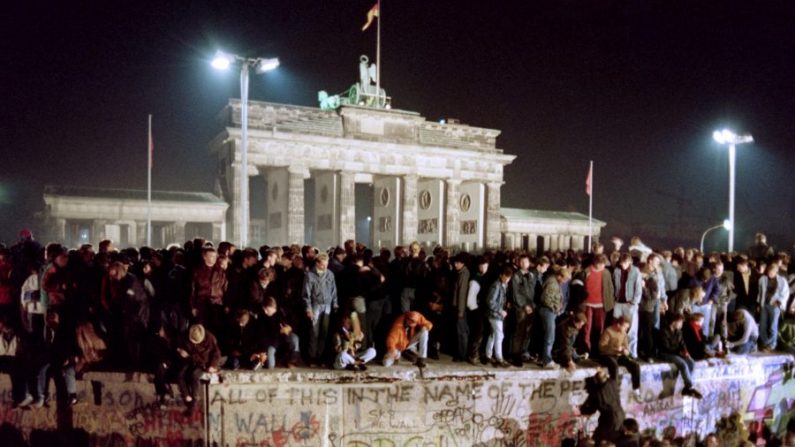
[[450, 406]]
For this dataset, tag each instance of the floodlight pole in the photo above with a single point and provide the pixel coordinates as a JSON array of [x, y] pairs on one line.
[[731, 139], [732, 165], [223, 61], [244, 211]]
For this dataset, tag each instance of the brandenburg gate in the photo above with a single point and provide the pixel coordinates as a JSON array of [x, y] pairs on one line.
[[433, 182]]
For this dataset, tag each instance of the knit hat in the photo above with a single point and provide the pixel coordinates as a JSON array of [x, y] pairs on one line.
[[196, 334]]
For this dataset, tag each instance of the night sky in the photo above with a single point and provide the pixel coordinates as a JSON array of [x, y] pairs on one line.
[[637, 85]]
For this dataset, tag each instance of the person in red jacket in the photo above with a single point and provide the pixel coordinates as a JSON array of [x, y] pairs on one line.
[[408, 338]]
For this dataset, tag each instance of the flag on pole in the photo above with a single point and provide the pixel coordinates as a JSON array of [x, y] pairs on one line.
[[372, 14], [588, 180]]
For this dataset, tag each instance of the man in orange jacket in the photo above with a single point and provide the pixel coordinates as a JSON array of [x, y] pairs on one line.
[[409, 338]]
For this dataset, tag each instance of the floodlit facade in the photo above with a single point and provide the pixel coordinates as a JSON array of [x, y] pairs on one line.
[[322, 176], [431, 182], [80, 215]]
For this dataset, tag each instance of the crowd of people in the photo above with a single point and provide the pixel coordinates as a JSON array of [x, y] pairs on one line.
[[201, 307]]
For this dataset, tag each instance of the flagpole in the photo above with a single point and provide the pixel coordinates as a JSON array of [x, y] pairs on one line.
[[590, 211], [378, 58], [149, 188]]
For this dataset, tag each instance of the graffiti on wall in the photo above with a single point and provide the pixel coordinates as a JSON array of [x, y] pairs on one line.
[[525, 409]]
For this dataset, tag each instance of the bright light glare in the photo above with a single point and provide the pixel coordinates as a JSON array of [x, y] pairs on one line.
[[268, 64], [727, 224], [726, 136], [723, 136], [222, 61]]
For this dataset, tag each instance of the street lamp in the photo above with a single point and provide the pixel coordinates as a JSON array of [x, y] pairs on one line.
[[726, 225], [726, 136], [223, 61]]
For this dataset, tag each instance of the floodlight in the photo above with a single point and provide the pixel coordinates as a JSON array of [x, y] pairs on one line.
[[267, 64], [222, 61]]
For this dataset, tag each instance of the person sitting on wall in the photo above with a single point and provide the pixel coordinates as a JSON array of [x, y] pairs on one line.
[[746, 333], [564, 352], [277, 337], [786, 331], [672, 349], [614, 351], [348, 345], [244, 347], [162, 353], [201, 354], [408, 338], [696, 342]]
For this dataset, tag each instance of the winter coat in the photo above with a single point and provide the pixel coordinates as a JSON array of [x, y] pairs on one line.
[[135, 303], [551, 295], [246, 340], [694, 341], [208, 286], [319, 291], [650, 296], [671, 341], [608, 289], [269, 328], [205, 354], [632, 289], [522, 289], [781, 294], [612, 341], [681, 303], [414, 271], [401, 334], [604, 398], [498, 296], [461, 289]]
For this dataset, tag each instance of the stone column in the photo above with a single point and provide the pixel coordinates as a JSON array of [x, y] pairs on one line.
[[60, 230], [510, 241], [277, 192], [409, 208], [179, 232], [554, 244], [532, 242], [347, 206], [98, 231], [132, 233], [577, 242], [453, 224], [295, 205], [493, 214], [219, 232], [140, 231]]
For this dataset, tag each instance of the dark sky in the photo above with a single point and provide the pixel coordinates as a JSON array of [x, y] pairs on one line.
[[636, 85]]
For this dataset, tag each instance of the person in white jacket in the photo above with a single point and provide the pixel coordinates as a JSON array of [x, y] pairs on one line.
[[772, 300], [747, 341], [34, 305]]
